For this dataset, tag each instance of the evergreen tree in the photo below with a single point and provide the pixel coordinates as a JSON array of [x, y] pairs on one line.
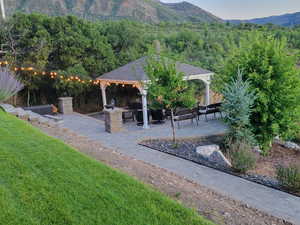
[[237, 107]]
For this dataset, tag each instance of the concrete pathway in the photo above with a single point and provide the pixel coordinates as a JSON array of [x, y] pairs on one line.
[[271, 201]]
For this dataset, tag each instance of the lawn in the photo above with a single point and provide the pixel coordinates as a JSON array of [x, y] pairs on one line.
[[44, 181]]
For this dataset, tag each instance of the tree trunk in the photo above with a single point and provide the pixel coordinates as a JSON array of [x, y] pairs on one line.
[[173, 126], [28, 97]]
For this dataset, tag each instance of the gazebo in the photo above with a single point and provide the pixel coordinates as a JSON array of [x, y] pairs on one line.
[[134, 74]]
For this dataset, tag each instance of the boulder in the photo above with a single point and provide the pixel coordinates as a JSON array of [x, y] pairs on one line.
[[7, 108], [43, 120], [21, 113], [291, 145], [33, 117], [257, 149], [213, 154]]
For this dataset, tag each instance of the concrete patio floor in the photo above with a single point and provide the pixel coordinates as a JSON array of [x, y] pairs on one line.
[[271, 201]]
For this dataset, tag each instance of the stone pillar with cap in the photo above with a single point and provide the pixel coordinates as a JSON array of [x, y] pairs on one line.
[[113, 120], [65, 105]]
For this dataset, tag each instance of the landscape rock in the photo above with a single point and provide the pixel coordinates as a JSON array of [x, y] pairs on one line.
[[257, 149], [33, 117], [212, 153], [291, 145], [7, 108], [22, 113], [287, 144], [43, 120], [52, 121]]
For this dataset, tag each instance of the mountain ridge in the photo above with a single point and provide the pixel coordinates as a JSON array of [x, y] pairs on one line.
[[142, 10], [287, 20]]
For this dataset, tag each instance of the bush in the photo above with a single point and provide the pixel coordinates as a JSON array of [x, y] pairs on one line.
[[9, 85], [242, 157], [289, 177], [297, 138]]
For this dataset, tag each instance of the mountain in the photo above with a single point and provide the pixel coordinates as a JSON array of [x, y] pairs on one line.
[[287, 20], [141, 10], [191, 12]]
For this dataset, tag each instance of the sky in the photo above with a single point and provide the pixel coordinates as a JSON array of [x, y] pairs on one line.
[[245, 9]]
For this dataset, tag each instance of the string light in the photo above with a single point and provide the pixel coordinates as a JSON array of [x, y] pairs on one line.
[[55, 75]]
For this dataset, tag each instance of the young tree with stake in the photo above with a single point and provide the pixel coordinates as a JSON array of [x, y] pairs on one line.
[[167, 88]]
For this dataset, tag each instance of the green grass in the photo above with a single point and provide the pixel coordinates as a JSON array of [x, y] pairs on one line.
[[44, 181]]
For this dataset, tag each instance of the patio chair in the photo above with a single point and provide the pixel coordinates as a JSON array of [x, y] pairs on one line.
[[202, 110], [214, 108], [128, 115], [210, 109], [185, 114], [157, 116], [139, 117]]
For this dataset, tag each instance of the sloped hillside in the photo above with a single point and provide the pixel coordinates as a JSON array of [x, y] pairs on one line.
[[142, 10], [44, 181]]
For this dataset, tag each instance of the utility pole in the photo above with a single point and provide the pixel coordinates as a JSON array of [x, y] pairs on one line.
[[2, 9]]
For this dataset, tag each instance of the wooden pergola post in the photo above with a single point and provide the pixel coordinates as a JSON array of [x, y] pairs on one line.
[[207, 92], [103, 92], [145, 108], [2, 9]]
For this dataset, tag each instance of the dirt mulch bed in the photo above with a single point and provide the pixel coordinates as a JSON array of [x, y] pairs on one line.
[[216, 207], [265, 172], [278, 155]]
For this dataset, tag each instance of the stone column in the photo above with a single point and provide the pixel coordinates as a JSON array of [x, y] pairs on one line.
[[65, 105], [113, 120]]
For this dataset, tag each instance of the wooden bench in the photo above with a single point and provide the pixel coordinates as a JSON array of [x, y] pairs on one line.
[[41, 109], [210, 109], [185, 114]]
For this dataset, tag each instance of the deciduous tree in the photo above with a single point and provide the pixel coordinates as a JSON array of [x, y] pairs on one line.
[[167, 88]]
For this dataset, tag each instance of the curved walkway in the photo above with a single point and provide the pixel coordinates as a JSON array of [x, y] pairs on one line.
[[271, 201]]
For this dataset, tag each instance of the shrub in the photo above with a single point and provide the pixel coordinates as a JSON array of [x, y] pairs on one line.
[[9, 85], [237, 104], [242, 157], [289, 177], [297, 138]]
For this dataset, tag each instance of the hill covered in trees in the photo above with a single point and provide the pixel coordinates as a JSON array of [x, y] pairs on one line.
[[287, 20], [72, 46], [141, 10], [90, 48]]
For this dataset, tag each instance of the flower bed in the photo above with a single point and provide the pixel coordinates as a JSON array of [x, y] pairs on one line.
[[186, 149]]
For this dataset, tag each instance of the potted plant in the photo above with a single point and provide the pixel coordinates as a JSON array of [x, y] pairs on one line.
[[9, 85]]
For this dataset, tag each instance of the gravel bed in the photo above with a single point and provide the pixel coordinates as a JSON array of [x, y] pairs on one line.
[[186, 149]]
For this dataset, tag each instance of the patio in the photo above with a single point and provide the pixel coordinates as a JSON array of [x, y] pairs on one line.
[[163, 130]]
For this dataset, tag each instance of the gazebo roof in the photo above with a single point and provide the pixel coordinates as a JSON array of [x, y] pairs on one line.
[[135, 72]]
